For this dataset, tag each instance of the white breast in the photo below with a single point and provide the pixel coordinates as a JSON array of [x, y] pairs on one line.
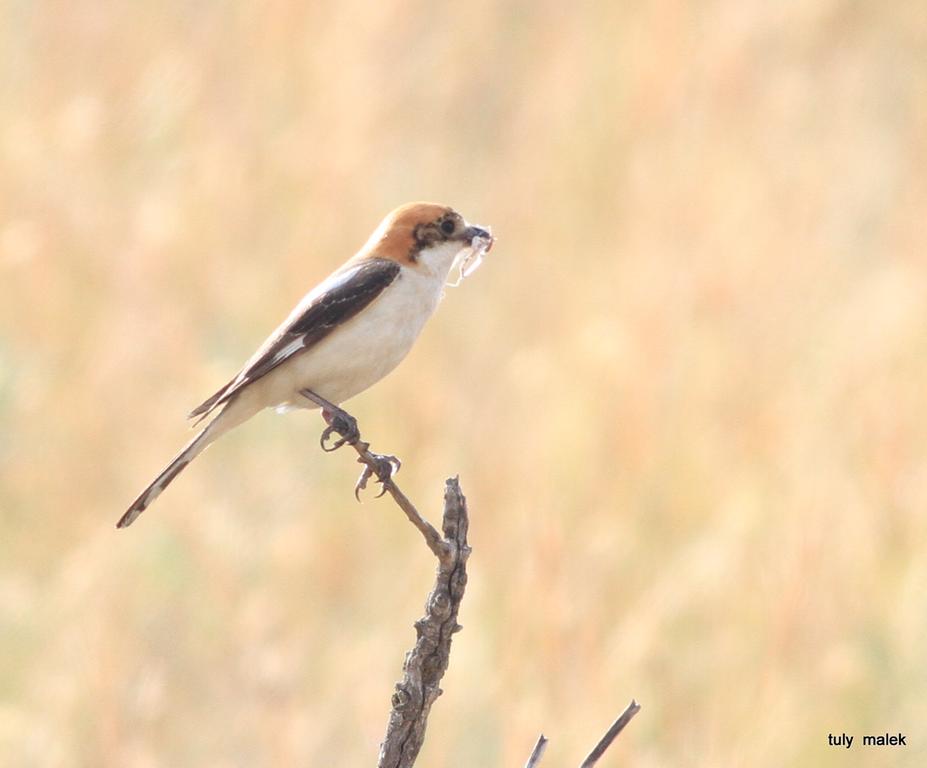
[[362, 351]]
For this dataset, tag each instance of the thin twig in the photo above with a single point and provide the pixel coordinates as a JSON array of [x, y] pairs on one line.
[[380, 467], [538, 752], [604, 743], [617, 727], [432, 537]]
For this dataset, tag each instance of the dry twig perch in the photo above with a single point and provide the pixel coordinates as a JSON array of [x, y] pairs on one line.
[[427, 662]]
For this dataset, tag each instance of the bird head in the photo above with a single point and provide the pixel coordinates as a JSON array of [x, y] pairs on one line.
[[425, 236]]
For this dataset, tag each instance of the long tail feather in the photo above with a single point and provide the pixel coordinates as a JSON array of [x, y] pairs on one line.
[[179, 462]]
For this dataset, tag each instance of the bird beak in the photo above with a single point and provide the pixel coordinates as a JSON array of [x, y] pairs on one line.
[[472, 232]]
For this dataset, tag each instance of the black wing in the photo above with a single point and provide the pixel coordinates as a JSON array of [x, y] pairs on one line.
[[338, 299]]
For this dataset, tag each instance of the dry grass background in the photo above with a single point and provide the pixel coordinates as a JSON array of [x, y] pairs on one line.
[[685, 393]]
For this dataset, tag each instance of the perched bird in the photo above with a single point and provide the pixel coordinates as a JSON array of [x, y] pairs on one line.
[[346, 334]]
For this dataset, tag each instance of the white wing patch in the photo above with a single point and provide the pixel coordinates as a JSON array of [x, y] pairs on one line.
[[288, 349]]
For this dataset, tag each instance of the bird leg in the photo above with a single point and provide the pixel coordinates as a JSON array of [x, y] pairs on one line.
[[338, 420], [381, 466]]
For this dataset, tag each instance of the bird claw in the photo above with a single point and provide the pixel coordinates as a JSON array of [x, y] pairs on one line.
[[379, 466], [342, 424]]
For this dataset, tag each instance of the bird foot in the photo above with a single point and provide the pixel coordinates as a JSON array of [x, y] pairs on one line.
[[341, 423], [383, 467]]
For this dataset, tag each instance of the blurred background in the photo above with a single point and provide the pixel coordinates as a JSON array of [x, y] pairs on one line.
[[685, 393]]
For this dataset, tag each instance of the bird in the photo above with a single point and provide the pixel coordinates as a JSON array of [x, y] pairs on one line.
[[345, 335]]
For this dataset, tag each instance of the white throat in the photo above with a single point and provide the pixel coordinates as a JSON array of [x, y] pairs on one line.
[[437, 259]]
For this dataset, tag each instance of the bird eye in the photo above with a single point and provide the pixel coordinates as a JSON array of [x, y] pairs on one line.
[[447, 227]]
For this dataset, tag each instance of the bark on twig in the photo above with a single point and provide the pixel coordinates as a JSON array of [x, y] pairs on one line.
[[427, 662]]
